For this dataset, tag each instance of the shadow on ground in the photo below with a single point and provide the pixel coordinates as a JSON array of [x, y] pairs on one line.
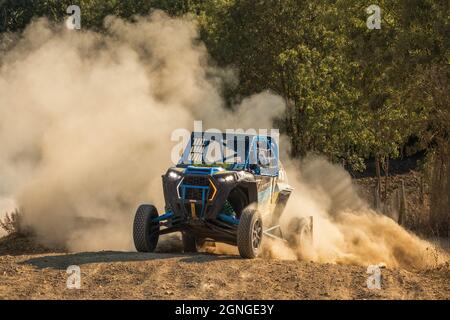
[[64, 260], [17, 244]]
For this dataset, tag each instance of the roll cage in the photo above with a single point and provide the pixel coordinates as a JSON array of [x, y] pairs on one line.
[[257, 154]]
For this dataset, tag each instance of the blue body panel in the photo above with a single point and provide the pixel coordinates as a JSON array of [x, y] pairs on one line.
[[230, 219], [202, 170], [165, 216]]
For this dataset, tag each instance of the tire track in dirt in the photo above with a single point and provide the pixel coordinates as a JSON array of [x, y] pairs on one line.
[[130, 275]]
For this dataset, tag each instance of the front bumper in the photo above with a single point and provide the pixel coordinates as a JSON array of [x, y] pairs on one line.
[[195, 197]]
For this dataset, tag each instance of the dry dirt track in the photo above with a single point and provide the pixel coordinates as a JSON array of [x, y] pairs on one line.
[[124, 275]]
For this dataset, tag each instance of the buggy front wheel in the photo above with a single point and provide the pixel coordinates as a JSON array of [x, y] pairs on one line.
[[145, 229], [249, 234]]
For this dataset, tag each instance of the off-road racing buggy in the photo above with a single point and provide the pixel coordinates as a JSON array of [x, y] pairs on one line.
[[235, 198]]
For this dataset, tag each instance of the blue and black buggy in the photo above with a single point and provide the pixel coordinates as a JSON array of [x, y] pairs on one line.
[[228, 188]]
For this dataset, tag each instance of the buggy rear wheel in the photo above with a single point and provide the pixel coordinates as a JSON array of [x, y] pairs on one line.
[[249, 234], [300, 232], [145, 230]]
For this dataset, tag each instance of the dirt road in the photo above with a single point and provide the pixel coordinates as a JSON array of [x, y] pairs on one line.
[[41, 274]]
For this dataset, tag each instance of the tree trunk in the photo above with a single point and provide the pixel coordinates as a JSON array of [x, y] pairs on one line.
[[440, 190], [403, 206], [386, 176], [378, 172], [376, 199], [422, 190]]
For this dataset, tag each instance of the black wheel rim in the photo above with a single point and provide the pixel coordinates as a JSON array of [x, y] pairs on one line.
[[256, 234]]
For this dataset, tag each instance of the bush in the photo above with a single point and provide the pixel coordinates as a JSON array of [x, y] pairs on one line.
[[12, 222]]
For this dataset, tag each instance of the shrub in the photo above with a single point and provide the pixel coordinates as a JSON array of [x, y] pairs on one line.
[[12, 222]]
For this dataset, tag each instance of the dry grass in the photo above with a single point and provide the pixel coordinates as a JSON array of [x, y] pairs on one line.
[[12, 223]]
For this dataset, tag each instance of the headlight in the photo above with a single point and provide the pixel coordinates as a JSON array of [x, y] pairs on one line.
[[226, 178], [174, 175]]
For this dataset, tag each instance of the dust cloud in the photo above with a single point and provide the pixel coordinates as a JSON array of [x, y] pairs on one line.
[[346, 229], [86, 120]]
